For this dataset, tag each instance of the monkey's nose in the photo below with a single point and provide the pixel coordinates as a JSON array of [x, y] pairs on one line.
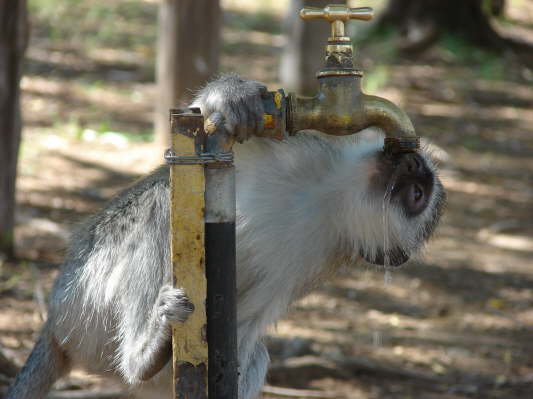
[[412, 164]]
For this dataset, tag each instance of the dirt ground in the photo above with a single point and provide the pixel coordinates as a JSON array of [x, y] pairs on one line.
[[455, 323]]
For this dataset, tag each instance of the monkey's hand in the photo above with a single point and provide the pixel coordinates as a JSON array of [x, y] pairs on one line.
[[238, 100], [173, 305]]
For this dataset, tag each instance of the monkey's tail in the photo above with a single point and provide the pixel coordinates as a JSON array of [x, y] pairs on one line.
[[46, 363]]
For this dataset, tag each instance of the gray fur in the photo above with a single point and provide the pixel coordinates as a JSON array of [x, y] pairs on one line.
[[304, 207], [238, 100]]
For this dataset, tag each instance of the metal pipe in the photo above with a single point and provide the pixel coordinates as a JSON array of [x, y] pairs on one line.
[[386, 115], [339, 108], [189, 345], [220, 256], [203, 255]]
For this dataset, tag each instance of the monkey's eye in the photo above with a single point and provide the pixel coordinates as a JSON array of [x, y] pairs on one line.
[[418, 192], [416, 200]]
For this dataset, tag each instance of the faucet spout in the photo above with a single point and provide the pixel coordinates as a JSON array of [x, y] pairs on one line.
[[399, 131], [386, 115], [341, 108]]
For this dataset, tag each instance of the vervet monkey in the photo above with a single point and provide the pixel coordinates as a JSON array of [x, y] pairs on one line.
[[305, 206]]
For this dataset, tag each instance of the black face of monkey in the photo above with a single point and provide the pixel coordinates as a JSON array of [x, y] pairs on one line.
[[411, 186], [412, 181]]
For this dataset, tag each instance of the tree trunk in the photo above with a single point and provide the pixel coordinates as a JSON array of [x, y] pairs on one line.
[[304, 52], [187, 55], [13, 41], [421, 23]]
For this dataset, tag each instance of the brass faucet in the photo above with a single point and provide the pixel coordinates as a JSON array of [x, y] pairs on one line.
[[340, 107]]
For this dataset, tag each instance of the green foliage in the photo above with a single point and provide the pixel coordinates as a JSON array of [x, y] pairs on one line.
[[487, 64], [263, 21], [486, 6], [379, 44], [133, 137], [112, 23], [6, 244], [104, 132], [376, 78]]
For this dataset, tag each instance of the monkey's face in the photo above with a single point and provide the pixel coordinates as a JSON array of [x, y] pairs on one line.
[[338, 197], [404, 202]]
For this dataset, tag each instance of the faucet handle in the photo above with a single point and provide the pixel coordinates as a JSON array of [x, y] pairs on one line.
[[337, 15]]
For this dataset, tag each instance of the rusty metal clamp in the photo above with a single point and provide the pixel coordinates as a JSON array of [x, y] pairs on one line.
[[201, 159]]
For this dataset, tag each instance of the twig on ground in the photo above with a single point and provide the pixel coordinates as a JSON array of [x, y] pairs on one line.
[[361, 365], [86, 394], [298, 393]]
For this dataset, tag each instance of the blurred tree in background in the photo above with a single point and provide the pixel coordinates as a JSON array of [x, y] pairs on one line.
[[13, 41], [422, 22], [187, 54], [303, 53]]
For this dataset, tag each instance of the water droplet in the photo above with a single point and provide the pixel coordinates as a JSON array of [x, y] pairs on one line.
[[376, 338], [387, 279], [385, 218]]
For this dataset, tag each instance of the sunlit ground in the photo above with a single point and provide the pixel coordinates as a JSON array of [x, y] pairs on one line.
[[456, 323]]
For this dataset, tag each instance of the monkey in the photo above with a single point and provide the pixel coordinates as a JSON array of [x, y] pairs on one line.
[[306, 205]]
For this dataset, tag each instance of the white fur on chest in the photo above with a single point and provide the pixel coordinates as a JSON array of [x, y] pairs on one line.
[[291, 217]]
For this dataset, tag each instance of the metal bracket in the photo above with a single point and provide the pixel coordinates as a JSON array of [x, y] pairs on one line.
[[202, 158]]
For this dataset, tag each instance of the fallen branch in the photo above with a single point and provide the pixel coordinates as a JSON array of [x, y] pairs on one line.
[[310, 366], [298, 393], [85, 394], [343, 368], [361, 365]]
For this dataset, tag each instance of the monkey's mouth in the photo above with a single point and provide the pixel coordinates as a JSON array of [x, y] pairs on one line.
[[395, 257]]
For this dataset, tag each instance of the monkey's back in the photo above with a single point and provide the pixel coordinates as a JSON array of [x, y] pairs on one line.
[[118, 259]]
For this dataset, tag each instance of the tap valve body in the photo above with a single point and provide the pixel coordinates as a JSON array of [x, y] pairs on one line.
[[339, 50]]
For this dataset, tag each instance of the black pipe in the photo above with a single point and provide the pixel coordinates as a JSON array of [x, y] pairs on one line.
[[220, 257], [221, 314]]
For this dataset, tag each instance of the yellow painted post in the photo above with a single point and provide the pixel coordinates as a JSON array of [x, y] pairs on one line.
[[187, 182]]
